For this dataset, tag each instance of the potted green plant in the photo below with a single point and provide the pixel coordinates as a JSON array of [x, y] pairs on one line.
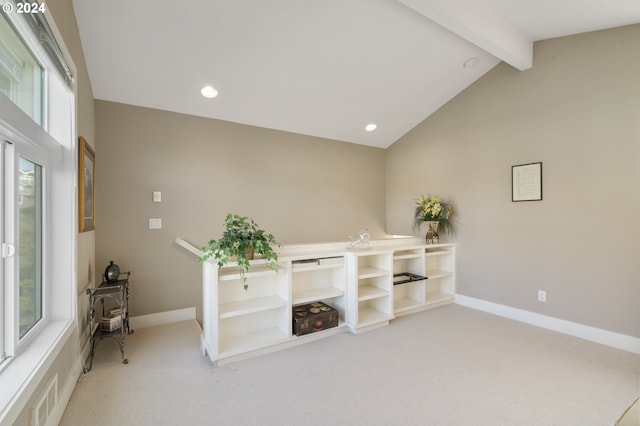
[[436, 213], [241, 239]]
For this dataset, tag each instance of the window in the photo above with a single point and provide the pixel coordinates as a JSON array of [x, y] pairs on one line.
[[22, 246], [37, 231], [3, 296], [21, 215], [30, 310], [20, 74], [38, 218]]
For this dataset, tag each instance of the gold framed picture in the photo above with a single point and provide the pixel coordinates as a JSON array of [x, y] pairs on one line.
[[86, 186]]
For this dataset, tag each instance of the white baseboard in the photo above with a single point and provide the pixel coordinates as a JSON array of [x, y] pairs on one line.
[[597, 335], [163, 318]]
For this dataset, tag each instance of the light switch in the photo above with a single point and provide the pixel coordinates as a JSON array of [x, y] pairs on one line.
[[155, 223], [157, 196]]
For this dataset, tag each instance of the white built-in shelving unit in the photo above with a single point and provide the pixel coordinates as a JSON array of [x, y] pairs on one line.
[[360, 284]]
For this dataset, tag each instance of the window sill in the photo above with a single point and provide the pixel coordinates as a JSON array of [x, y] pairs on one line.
[[21, 375]]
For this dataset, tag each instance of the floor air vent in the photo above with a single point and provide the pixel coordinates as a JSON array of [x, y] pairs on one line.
[[41, 412]]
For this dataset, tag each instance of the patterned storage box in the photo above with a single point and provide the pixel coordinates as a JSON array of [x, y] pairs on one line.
[[316, 316], [111, 322]]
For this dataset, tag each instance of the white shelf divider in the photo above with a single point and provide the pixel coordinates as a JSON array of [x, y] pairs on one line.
[[232, 273], [250, 306], [438, 252], [368, 292], [312, 295], [371, 272], [401, 256]]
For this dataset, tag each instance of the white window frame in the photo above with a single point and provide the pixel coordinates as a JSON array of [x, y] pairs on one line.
[[3, 248], [14, 344], [45, 152]]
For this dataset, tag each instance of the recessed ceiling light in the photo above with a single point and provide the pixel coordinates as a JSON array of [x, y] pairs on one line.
[[209, 92], [371, 127], [471, 62]]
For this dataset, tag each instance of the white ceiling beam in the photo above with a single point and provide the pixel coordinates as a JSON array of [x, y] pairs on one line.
[[477, 23]]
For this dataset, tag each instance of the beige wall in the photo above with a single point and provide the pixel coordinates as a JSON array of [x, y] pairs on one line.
[[300, 188], [578, 112], [64, 366]]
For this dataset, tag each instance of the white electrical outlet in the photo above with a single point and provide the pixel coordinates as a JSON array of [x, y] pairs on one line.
[[542, 296], [157, 196], [155, 223]]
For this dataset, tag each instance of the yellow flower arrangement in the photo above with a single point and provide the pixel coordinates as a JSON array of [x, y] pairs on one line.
[[433, 209]]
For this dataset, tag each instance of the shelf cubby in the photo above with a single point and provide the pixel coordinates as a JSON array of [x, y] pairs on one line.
[[371, 301], [409, 296], [440, 270], [319, 279]]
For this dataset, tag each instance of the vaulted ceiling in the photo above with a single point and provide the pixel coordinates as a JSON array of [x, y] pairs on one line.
[[324, 68]]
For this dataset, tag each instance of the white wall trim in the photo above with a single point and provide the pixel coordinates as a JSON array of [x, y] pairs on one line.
[[24, 373], [65, 396], [597, 335], [162, 318]]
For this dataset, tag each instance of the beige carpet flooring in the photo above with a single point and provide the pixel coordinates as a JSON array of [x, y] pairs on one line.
[[447, 366]]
